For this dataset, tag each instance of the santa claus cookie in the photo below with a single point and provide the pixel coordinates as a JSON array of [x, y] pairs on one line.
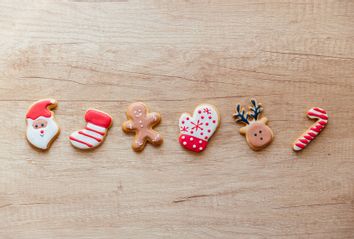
[[141, 122], [258, 134], [42, 129], [95, 131], [197, 130]]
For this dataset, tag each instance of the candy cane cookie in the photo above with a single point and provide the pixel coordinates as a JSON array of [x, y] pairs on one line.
[[314, 130]]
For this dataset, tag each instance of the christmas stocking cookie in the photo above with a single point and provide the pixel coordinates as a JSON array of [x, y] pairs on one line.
[[197, 130], [95, 131], [42, 129]]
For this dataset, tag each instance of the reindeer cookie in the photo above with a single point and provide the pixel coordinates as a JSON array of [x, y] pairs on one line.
[[141, 122], [258, 134]]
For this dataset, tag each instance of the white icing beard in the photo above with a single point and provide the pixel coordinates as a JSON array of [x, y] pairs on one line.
[[36, 138]]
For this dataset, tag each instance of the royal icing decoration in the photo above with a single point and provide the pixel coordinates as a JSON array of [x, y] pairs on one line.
[[258, 134], [197, 130], [95, 131], [141, 122], [314, 130], [42, 129]]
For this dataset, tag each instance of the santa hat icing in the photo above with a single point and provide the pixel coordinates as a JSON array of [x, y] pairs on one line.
[[41, 108], [98, 118], [196, 130]]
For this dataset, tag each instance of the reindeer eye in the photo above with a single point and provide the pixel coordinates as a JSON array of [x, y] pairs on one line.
[[42, 125], [261, 138], [260, 131], [36, 126], [255, 134]]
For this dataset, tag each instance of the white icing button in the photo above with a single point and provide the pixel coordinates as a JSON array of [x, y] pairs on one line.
[[201, 148], [183, 137], [200, 142], [194, 146], [191, 139], [140, 121], [184, 143], [141, 126]]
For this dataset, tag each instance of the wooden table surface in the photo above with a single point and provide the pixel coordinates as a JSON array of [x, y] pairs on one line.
[[290, 55]]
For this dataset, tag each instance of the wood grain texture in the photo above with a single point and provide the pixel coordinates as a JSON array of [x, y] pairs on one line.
[[290, 55]]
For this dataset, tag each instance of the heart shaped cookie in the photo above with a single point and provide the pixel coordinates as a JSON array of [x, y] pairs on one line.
[[197, 130]]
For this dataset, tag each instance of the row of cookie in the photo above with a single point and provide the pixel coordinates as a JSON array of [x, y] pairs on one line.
[[196, 130]]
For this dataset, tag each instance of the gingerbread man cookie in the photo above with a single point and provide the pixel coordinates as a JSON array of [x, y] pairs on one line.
[[258, 134], [141, 122], [42, 129], [197, 130]]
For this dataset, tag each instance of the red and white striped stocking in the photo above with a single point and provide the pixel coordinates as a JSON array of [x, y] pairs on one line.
[[95, 131]]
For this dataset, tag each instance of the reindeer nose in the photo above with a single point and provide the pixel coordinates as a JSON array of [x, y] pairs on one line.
[[42, 131]]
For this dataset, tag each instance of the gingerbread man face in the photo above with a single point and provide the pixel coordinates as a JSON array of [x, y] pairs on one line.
[[137, 110], [141, 122], [258, 134]]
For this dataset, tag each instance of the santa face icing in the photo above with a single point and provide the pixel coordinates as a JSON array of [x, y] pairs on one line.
[[197, 130], [95, 131], [258, 134], [42, 128]]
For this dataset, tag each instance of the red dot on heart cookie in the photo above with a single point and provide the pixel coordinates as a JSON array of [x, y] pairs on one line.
[[209, 117], [201, 133], [187, 118], [191, 132], [202, 117], [214, 121], [206, 123], [199, 111], [209, 130], [182, 122]]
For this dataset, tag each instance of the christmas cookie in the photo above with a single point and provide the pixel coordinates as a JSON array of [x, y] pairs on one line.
[[258, 134], [141, 122], [95, 131], [42, 129], [314, 130], [197, 130]]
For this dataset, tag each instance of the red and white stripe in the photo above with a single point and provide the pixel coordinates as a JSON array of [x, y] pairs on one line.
[[314, 130], [88, 138]]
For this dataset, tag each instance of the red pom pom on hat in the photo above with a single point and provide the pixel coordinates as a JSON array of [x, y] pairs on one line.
[[98, 118], [41, 108]]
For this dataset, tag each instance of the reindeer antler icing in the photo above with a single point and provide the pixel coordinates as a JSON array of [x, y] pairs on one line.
[[256, 109], [240, 115]]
